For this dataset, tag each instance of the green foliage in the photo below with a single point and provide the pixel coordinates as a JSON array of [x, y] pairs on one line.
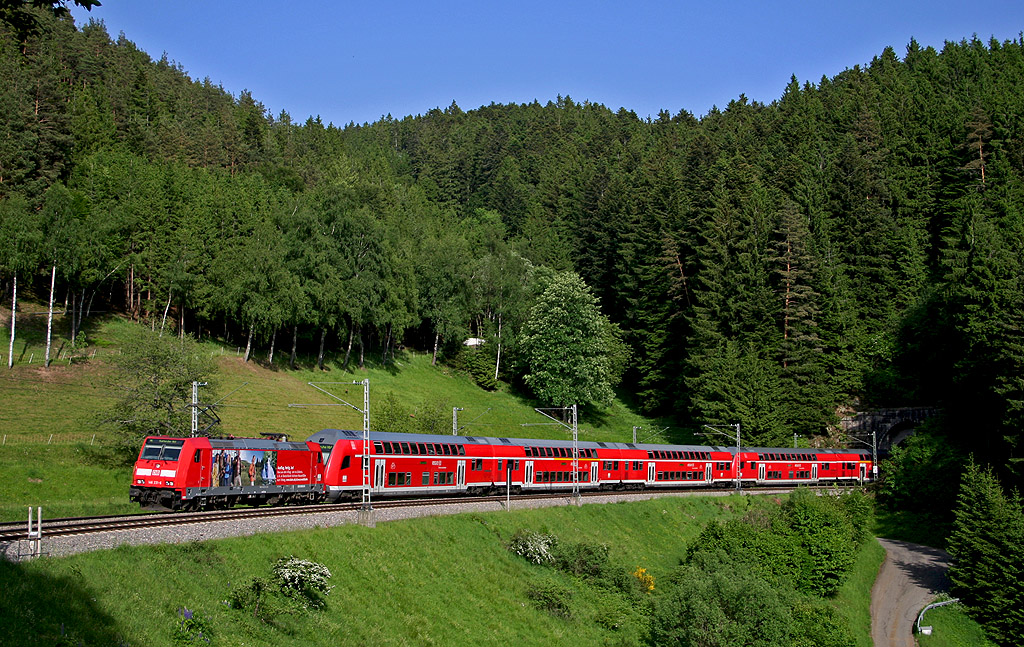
[[191, 628], [294, 584], [153, 379], [767, 264], [715, 601], [908, 477], [582, 559], [987, 545], [480, 367], [551, 597], [570, 350]]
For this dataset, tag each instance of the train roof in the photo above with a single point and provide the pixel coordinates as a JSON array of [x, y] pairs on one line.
[[257, 444], [331, 436]]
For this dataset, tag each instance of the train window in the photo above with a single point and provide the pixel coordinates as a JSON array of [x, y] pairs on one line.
[[515, 465], [405, 448], [423, 448], [345, 462], [378, 447], [426, 478], [447, 449], [462, 450], [195, 457], [477, 464], [319, 458], [499, 464]]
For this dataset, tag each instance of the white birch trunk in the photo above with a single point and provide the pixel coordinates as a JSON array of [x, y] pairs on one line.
[[248, 343], [497, 362], [49, 317], [437, 341], [270, 355], [167, 307], [14, 310]]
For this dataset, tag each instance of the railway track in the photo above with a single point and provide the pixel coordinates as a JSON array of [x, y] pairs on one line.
[[63, 527]]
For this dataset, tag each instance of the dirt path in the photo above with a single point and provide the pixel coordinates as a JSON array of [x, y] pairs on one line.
[[910, 577]]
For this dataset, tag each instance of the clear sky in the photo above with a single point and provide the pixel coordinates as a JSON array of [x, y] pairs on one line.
[[357, 61]]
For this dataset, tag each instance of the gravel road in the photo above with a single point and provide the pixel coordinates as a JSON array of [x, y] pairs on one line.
[[910, 577]]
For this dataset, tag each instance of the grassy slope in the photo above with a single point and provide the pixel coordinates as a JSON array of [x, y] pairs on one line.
[[69, 477], [434, 581], [51, 446], [951, 627]]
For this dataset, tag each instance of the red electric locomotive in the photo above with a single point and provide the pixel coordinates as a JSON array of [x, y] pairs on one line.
[[200, 473]]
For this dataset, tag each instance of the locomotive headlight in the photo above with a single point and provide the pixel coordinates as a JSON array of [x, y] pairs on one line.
[[168, 482], [140, 481]]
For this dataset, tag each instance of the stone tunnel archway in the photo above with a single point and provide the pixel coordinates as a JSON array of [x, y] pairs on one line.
[[890, 426]]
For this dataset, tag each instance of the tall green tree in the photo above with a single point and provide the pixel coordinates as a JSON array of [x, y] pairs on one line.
[[153, 381], [572, 354]]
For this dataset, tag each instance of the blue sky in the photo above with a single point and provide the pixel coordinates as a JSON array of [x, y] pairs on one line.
[[357, 61]]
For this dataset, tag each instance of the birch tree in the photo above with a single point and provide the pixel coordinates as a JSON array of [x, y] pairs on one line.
[[19, 240]]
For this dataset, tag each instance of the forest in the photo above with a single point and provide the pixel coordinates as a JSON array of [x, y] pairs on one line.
[[854, 244]]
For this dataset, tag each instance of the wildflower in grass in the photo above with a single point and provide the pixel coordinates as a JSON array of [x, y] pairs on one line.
[[646, 579], [191, 628]]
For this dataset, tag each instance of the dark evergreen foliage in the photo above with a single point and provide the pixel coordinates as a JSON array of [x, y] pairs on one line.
[[854, 243]]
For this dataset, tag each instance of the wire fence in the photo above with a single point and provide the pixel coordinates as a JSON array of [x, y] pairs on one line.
[[56, 439]]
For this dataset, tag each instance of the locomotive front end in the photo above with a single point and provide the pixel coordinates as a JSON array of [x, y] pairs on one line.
[[155, 479]]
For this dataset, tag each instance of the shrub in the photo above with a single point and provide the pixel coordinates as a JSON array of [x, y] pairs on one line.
[[535, 547], [645, 579], [303, 580], [583, 559], [551, 597]]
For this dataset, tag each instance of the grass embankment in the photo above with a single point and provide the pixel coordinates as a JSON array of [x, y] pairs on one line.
[[432, 581], [952, 627], [52, 448]]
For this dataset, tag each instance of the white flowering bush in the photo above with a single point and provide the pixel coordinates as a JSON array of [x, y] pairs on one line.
[[303, 580], [535, 547]]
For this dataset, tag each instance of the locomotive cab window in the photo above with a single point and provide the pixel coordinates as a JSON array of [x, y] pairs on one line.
[[163, 450]]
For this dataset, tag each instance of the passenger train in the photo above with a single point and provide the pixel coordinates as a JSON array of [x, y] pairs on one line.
[[207, 473]]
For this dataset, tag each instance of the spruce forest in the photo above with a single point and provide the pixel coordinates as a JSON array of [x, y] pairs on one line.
[[854, 244]]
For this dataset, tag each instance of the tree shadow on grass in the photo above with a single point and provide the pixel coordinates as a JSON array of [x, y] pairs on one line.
[[41, 609]]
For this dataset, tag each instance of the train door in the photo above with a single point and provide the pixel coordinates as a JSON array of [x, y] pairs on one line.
[[760, 472], [650, 472], [528, 479], [378, 474], [595, 474], [814, 472], [707, 472], [863, 471], [460, 476]]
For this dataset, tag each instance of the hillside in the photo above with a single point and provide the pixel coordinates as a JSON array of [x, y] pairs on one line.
[[434, 581], [53, 446]]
